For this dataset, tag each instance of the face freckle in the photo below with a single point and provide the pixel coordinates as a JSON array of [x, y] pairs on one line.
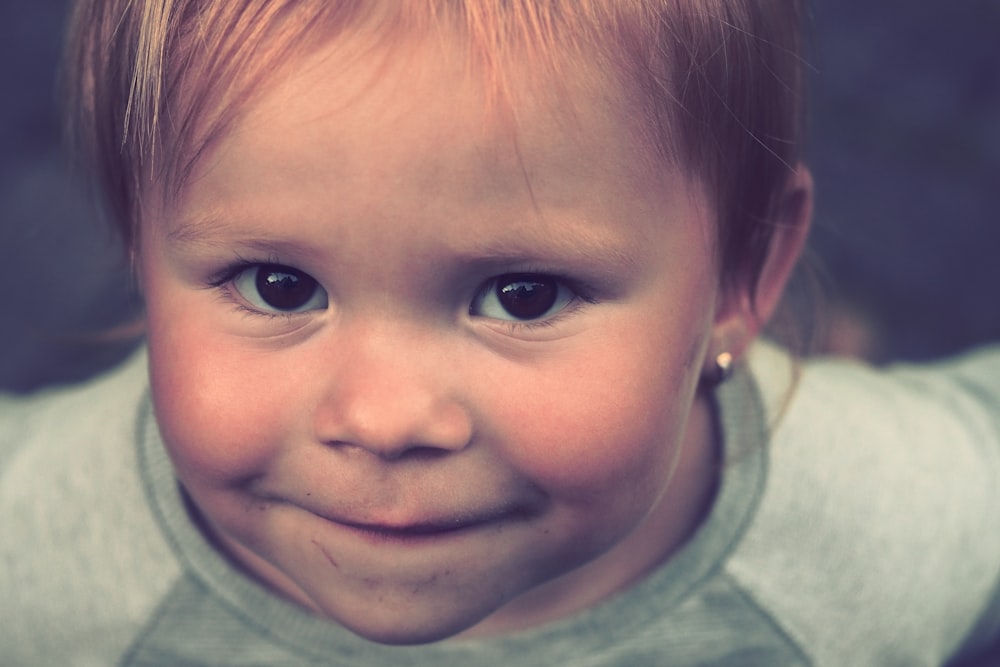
[[405, 456]]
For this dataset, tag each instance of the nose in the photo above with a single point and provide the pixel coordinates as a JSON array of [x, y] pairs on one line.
[[392, 396]]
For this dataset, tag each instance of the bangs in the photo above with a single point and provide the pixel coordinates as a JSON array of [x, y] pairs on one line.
[[713, 84]]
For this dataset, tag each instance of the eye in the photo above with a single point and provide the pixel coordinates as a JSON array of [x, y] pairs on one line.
[[276, 288], [521, 297]]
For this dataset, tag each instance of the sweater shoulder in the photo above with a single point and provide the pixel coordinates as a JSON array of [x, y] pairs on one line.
[[83, 556], [875, 532]]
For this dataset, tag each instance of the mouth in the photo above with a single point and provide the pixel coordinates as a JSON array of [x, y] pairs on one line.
[[434, 529]]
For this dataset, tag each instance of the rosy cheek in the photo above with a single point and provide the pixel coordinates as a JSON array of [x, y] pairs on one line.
[[217, 419], [585, 434]]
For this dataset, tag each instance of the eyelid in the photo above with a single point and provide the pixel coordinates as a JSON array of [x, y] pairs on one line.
[[228, 272], [522, 327], [223, 281], [582, 295]]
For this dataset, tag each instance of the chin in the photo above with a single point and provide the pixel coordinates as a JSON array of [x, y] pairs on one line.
[[411, 631], [390, 619]]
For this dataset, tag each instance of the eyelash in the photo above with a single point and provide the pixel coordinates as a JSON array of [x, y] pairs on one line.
[[514, 328], [222, 283], [582, 297]]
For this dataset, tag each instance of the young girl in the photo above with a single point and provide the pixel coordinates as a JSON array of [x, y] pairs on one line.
[[451, 320]]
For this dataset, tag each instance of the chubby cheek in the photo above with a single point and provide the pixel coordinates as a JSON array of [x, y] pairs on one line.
[[221, 413], [601, 431]]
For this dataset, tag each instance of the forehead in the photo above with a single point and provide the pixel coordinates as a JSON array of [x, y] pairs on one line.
[[517, 58], [341, 111], [352, 148]]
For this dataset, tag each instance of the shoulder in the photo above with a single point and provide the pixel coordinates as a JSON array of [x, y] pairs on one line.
[[89, 402], [877, 525], [70, 430], [79, 544]]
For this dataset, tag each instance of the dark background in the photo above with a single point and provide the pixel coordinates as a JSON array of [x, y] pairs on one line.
[[904, 143]]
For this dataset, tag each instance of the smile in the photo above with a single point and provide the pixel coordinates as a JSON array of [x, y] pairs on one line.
[[419, 531]]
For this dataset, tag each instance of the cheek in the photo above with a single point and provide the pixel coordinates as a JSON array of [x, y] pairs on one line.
[[602, 424], [219, 412]]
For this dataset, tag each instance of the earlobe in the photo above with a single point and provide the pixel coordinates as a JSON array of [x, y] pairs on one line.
[[743, 312]]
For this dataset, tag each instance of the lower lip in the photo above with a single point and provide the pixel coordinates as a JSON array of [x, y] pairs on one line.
[[426, 534]]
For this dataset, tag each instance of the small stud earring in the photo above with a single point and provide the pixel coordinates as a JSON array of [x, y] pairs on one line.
[[723, 367]]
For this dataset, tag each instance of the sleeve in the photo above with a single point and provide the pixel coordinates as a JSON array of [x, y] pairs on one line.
[[976, 377], [83, 565], [878, 537], [12, 417]]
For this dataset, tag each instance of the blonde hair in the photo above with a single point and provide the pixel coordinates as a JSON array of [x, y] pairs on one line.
[[716, 84]]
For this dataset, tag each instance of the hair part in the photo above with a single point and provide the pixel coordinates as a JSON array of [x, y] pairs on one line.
[[715, 84]]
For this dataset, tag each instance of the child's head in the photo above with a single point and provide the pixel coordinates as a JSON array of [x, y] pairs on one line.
[[431, 286]]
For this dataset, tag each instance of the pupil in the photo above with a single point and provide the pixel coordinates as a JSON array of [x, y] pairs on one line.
[[527, 299], [284, 289]]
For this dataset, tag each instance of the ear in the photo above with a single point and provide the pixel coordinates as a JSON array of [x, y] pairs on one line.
[[744, 308]]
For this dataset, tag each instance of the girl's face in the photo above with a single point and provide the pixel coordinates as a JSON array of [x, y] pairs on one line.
[[423, 370]]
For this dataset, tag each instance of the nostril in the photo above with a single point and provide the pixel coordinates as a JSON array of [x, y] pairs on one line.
[[390, 452], [422, 452]]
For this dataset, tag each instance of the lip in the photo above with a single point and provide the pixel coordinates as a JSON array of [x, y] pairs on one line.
[[435, 529]]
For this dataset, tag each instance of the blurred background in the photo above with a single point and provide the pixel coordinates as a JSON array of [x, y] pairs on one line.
[[905, 147], [904, 141]]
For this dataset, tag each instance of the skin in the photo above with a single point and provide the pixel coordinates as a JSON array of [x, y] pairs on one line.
[[399, 457]]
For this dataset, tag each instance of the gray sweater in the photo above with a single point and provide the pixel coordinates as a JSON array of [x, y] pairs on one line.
[[856, 523]]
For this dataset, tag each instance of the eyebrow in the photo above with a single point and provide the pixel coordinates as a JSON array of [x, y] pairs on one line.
[[207, 231], [212, 233], [579, 248]]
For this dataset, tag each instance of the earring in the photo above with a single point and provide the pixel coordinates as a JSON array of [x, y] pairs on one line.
[[723, 367]]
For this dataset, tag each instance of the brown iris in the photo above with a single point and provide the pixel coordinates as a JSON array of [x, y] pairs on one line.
[[284, 288], [526, 297]]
